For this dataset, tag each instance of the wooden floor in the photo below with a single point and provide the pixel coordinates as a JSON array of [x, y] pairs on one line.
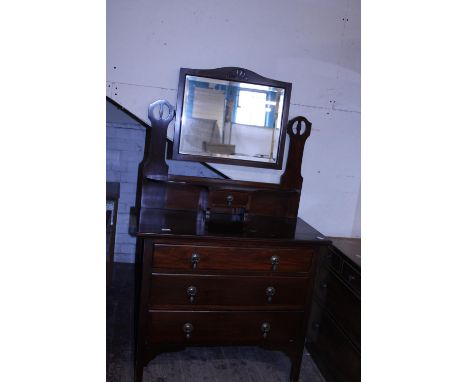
[[223, 364]]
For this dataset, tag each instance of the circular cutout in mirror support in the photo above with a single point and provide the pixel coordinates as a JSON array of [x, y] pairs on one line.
[[160, 113], [292, 177]]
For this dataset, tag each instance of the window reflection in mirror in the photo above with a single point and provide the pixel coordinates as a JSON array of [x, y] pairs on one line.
[[231, 119]]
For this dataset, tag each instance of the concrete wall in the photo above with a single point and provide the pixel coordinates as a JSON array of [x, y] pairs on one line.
[[315, 44], [125, 147]]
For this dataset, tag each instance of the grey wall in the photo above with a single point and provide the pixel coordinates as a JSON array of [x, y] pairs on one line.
[[125, 147], [315, 44]]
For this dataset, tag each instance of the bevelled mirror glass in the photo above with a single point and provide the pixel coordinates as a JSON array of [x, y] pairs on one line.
[[231, 115]]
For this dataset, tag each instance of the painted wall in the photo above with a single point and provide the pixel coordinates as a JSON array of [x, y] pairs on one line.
[[315, 44]]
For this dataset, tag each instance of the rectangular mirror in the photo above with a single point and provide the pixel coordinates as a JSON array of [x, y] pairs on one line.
[[231, 115]]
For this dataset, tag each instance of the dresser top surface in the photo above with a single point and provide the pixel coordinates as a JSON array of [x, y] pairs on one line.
[[171, 223], [350, 247]]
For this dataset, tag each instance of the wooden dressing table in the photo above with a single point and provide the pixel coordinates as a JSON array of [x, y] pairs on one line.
[[222, 262]]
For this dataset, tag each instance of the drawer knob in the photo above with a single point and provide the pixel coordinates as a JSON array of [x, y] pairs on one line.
[[195, 260], [192, 292], [229, 200], [323, 285], [270, 292], [188, 329], [351, 278], [265, 328], [274, 262]]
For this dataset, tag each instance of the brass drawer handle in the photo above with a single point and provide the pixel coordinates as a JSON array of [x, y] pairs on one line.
[[270, 292], [195, 260], [265, 328], [274, 262], [188, 330], [192, 292]]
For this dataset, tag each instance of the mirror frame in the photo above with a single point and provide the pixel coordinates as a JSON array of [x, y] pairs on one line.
[[239, 75]]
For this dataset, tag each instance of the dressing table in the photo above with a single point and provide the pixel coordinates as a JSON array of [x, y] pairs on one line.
[[221, 261]]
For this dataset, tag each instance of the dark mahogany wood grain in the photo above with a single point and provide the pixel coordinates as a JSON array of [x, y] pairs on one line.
[[224, 327], [246, 259], [279, 204], [169, 291], [231, 302]]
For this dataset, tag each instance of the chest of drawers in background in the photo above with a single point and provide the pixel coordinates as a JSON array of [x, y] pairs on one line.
[[207, 291], [334, 327]]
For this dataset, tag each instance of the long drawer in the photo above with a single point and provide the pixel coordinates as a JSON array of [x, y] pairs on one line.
[[224, 327], [228, 292], [206, 258]]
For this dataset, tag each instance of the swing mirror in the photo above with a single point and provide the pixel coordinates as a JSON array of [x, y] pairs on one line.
[[231, 115]]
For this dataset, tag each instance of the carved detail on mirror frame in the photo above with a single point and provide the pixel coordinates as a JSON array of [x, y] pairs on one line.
[[238, 74]]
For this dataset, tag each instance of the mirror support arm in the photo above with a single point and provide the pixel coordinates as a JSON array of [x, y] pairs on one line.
[[155, 164], [292, 177]]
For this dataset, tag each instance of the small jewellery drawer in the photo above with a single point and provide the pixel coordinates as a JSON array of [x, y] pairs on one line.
[[205, 258], [227, 292], [233, 327], [228, 198]]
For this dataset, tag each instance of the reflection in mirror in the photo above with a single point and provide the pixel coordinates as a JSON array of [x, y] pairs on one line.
[[230, 119]]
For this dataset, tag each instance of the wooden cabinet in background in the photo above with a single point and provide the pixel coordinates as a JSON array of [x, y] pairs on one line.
[[334, 328]]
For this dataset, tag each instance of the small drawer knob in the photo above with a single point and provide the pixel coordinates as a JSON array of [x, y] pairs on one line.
[[192, 292], [195, 260], [188, 330], [229, 200], [274, 262], [265, 328], [270, 292], [323, 285]]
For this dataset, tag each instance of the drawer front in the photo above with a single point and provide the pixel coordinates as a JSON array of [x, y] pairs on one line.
[[352, 277], [226, 292], [333, 350], [228, 198], [341, 303], [177, 327], [204, 258]]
